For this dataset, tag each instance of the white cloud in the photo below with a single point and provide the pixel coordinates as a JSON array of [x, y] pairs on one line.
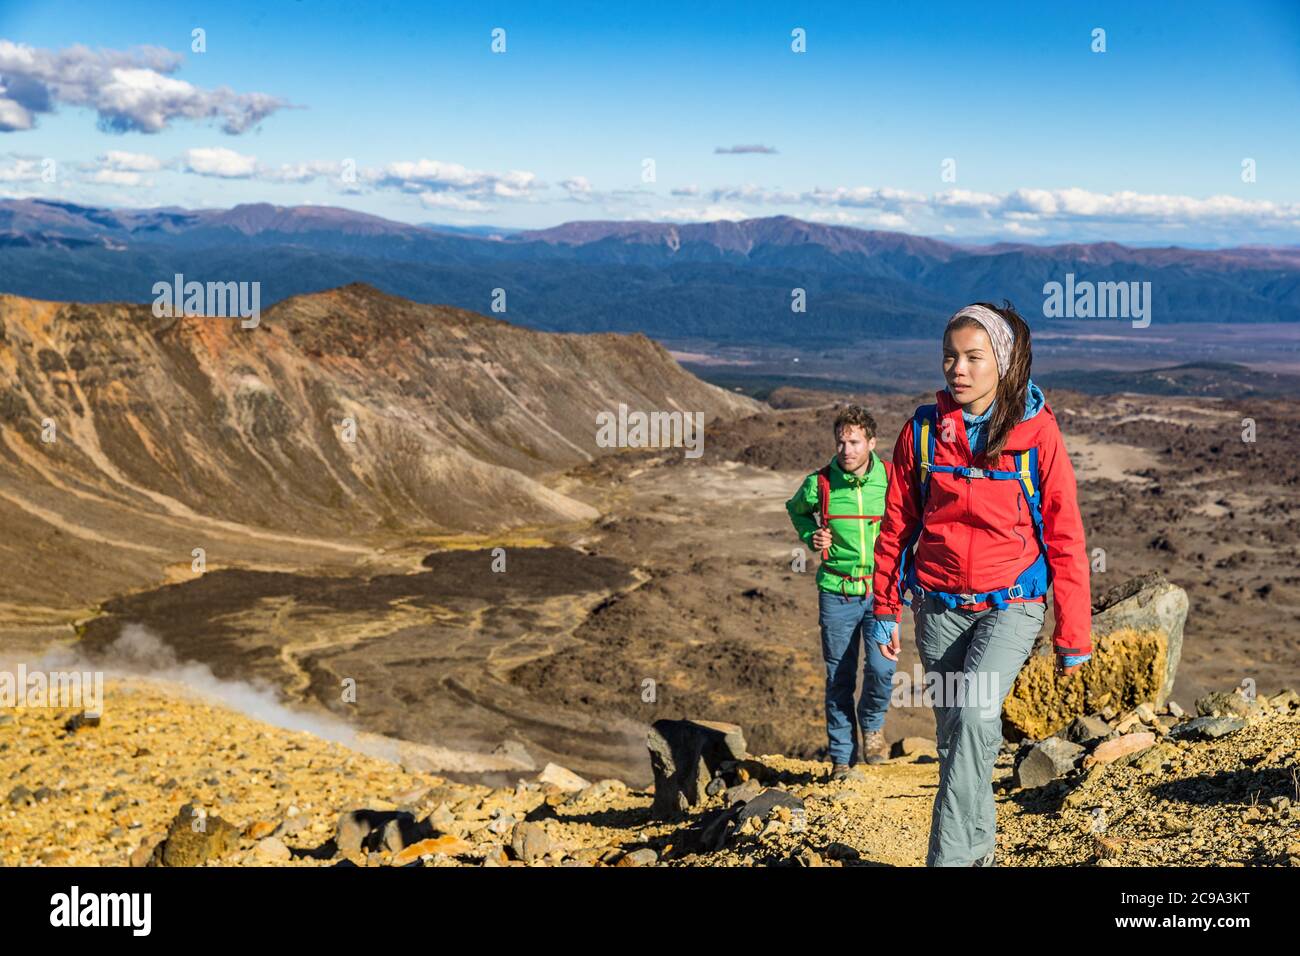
[[130, 91], [895, 207], [132, 162], [119, 177], [875, 220], [578, 187], [1127, 206], [13, 116], [890, 220], [220, 162], [429, 175], [515, 185], [1020, 229], [303, 172], [964, 199], [432, 200], [23, 170], [753, 194], [1027, 211], [866, 197]]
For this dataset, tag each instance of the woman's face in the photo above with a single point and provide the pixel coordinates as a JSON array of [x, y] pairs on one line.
[[970, 367]]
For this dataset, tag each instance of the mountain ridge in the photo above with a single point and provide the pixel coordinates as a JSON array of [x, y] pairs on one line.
[[343, 418], [725, 280], [253, 218]]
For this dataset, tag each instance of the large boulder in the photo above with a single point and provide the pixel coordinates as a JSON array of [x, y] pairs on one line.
[[1048, 760], [1147, 604], [365, 829], [194, 838], [1137, 638], [1108, 751], [684, 756]]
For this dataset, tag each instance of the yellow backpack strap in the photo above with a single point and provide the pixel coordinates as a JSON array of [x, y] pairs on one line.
[[1026, 475], [925, 447]]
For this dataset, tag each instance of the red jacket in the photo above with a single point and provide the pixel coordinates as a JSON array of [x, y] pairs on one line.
[[978, 535]]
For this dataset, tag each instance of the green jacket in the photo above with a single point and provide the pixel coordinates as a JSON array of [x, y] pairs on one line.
[[853, 540]]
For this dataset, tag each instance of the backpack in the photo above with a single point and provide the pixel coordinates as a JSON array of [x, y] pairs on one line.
[[1034, 580]]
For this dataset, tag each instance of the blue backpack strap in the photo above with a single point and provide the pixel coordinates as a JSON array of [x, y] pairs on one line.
[[1035, 579], [1038, 574]]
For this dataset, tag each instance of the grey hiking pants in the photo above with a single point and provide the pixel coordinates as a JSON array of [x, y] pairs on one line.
[[973, 658]]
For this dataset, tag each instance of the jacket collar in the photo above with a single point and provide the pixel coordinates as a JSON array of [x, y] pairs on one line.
[[1023, 434], [874, 470], [1035, 402]]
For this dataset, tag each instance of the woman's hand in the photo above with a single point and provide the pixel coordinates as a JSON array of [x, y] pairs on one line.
[[821, 539], [1067, 664], [885, 634]]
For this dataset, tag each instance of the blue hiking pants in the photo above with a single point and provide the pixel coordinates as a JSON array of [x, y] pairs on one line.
[[845, 622]]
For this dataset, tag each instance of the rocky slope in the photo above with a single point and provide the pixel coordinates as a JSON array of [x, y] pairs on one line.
[[166, 778]]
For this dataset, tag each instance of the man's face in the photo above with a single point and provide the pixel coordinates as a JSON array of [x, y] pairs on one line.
[[853, 448]]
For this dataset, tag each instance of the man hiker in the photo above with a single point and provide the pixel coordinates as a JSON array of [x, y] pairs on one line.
[[837, 511]]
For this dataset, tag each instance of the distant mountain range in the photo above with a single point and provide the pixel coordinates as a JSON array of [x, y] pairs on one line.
[[724, 281]]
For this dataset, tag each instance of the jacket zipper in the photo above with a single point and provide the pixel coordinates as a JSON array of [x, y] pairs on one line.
[[970, 538], [862, 540], [970, 541], [1024, 542]]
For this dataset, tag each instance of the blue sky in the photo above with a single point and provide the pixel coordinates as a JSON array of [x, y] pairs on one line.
[[1048, 140]]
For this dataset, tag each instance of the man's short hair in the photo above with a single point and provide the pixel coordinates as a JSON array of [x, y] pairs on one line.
[[855, 415]]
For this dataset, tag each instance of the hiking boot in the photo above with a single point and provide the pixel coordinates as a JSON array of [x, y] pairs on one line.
[[985, 860], [874, 747], [844, 771]]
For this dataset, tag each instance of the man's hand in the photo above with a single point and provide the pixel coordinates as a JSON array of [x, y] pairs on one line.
[[821, 539], [885, 634]]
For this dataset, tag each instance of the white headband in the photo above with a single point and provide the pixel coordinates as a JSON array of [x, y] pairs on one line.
[[999, 330]]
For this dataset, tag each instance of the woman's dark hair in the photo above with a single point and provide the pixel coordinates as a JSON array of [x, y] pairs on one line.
[[1012, 386]]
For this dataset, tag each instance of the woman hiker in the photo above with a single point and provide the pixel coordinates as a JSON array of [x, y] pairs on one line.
[[981, 516]]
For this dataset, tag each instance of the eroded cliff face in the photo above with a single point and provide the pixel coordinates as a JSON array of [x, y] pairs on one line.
[[128, 440]]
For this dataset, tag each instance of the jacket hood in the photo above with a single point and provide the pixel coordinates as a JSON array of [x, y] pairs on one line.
[[1035, 401]]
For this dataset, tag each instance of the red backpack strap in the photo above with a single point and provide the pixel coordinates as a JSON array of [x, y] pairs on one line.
[[824, 500]]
